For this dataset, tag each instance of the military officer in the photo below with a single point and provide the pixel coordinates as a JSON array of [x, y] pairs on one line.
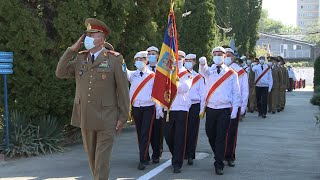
[[143, 107], [231, 140], [101, 104], [263, 83], [252, 91], [284, 84], [157, 134], [196, 95], [222, 102], [176, 129]]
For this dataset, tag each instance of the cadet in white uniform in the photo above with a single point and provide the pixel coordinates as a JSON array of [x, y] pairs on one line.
[[244, 94], [263, 82], [157, 134], [143, 107], [197, 97], [175, 130], [222, 102]]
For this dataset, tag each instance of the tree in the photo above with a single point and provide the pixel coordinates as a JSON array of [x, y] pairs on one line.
[[271, 26], [241, 18], [198, 30], [313, 34]]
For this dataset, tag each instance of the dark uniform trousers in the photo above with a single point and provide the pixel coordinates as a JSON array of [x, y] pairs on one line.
[[157, 139], [175, 134], [231, 139], [217, 124], [98, 146], [193, 130], [143, 119], [262, 99]]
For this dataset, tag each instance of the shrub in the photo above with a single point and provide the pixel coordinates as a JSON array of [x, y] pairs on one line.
[[316, 78], [315, 100], [33, 137]]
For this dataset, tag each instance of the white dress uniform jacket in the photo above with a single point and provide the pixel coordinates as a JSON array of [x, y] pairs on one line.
[[182, 101], [143, 99], [227, 95], [266, 80], [244, 87]]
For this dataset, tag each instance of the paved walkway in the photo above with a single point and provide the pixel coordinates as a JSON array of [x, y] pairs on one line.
[[282, 146]]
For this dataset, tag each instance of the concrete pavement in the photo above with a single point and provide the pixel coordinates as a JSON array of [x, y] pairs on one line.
[[285, 145]]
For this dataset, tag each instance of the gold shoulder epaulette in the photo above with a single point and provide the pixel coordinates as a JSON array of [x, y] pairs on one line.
[[114, 53]]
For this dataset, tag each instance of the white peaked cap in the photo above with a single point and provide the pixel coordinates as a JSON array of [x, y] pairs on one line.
[[181, 53], [229, 50], [243, 57], [141, 54], [191, 56], [262, 56], [152, 48], [218, 49]]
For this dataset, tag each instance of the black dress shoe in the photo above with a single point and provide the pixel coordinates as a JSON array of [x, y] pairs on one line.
[[141, 166], [219, 171], [155, 161], [273, 112], [231, 163], [176, 170], [190, 161], [264, 116]]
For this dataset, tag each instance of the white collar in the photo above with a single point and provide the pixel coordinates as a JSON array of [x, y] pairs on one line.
[[97, 53]]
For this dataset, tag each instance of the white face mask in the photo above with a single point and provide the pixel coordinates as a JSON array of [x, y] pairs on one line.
[[227, 61], [249, 62], [270, 63], [188, 65], [218, 60], [89, 42]]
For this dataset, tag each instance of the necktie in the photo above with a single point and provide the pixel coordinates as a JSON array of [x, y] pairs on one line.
[[218, 69], [153, 68], [262, 67], [92, 58], [141, 74]]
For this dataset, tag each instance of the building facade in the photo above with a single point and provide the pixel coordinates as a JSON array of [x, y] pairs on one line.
[[289, 49], [308, 13]]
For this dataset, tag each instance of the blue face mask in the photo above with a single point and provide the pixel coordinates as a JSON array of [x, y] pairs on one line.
[[152, 58], [139, 65], [218, 60], [188, 65], [227, 61], [89, 42]]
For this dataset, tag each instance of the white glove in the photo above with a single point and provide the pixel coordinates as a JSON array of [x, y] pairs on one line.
[[159, 113], [269, 89], [243, 110], [202, 60], [234, 113]]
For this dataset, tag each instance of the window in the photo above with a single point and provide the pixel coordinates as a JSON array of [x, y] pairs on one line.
[[297, 47]]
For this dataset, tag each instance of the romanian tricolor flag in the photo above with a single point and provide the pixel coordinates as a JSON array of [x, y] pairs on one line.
[[166, 79]]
